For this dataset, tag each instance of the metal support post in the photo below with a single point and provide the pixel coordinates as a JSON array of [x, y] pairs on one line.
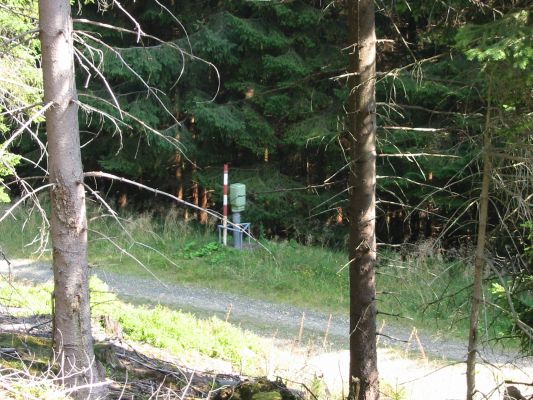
[[237, 233]]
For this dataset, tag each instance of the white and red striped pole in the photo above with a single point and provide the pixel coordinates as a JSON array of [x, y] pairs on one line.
[[225, 203]]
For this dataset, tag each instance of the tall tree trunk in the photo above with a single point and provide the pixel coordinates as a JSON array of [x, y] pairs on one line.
[[179, 175], [364, 383], [479, 261], [73, 343], [203, 216], [195, 193]]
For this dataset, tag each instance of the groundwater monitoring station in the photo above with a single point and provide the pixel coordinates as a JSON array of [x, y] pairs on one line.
[[237, 199]]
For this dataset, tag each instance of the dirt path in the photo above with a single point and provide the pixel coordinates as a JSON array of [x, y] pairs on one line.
[[416, 376]]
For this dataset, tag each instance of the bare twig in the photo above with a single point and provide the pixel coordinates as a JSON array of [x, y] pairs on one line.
[[39, 113], [127, 253], [7, 41], [218, 216], [22, 199], [140, 33]]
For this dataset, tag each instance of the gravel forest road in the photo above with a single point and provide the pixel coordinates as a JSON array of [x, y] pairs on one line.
[[416, 376]]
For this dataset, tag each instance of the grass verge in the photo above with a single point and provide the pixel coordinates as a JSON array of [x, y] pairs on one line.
[[420, 288]]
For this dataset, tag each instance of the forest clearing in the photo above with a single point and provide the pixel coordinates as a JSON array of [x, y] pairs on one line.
[[266, 199]]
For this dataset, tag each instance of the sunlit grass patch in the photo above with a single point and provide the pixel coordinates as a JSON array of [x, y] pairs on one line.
[[159, 326]]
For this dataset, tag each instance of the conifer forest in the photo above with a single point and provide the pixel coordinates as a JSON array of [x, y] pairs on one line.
[[388, 133]]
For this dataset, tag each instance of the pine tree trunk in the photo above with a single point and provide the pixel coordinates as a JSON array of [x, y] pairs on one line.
[[479, 263], [178, 162], [73, 343], [203, 217], [195, 196], [364, 383], [179, 176]]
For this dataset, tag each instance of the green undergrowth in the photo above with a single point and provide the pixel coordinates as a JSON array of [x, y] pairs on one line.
[[418, 288], [181, 333]]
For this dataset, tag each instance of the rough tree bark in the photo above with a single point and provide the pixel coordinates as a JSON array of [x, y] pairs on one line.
[[364, 383], [73, 343], [479, 261]]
